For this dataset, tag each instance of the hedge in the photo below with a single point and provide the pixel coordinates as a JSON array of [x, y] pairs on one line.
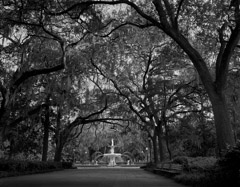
[[13, 167]]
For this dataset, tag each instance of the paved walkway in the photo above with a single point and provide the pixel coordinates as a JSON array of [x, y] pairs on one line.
[[91, 177]]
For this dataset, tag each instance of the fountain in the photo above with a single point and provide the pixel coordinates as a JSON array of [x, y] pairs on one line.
[[112, 155]]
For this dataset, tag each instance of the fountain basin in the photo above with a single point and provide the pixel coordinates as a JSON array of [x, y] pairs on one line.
[[112, 157]]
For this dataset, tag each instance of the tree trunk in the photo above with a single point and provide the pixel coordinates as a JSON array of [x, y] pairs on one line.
[[59, 142], [155, 149], [46, 131], [150, 148], [225, 137], [58, 151], [167, 141], [235, 124], [160, 143], [223, 126], [45, 141]]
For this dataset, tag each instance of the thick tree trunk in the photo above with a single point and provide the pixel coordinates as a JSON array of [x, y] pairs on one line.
[[160, 143], [223, 126], [58, 152], [224, 131], [169, 25]]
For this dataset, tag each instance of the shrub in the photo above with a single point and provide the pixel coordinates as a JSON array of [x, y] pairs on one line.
[[191, 179], [67, 165], [197, 164], [208, 171], [13, 167]]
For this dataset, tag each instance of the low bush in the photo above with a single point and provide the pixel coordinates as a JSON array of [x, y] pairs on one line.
[[197, 164], [208, 172], [208, 178], [191, 179], [13, 167]]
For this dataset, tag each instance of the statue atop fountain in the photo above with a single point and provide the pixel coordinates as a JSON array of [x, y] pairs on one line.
[[112, 147]]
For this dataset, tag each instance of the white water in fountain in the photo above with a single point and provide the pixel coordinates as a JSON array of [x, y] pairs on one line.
[[112, 155]]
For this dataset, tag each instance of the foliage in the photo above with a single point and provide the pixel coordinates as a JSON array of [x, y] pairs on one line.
[[209, 171], [196, 164], [97, 63], [191, 179], [98, 137], [233, 92], [14, 167], [196, 135]]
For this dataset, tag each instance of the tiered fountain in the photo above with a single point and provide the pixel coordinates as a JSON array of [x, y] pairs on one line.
[[112, 155]]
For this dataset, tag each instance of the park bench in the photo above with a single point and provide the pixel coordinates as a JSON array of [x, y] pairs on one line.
[[168, 168]]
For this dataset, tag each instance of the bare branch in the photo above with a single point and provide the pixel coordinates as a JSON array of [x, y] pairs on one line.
[[127, 23], [184, 112], [162, 13], [98, 112], [147, 70], [178, 11], [77, 42], [120, 92]]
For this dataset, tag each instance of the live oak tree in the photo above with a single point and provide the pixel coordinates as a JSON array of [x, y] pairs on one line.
[[80, 99], [169, 20], [23, 24], [143, 73], [208, 22], [32, 44], [21, 97], [207, 31]]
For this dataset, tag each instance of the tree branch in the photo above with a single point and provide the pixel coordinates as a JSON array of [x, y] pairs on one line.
[[162, 13], [178, 11], [127, 23], [29, 113], [119, 91], [147, 70], [26, 75], [224, 57], [170, 13], [89, 3]]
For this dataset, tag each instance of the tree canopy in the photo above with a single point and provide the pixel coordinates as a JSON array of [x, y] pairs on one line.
[[165, 67]]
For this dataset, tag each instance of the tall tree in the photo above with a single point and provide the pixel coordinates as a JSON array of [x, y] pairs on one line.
[[216, 21]]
